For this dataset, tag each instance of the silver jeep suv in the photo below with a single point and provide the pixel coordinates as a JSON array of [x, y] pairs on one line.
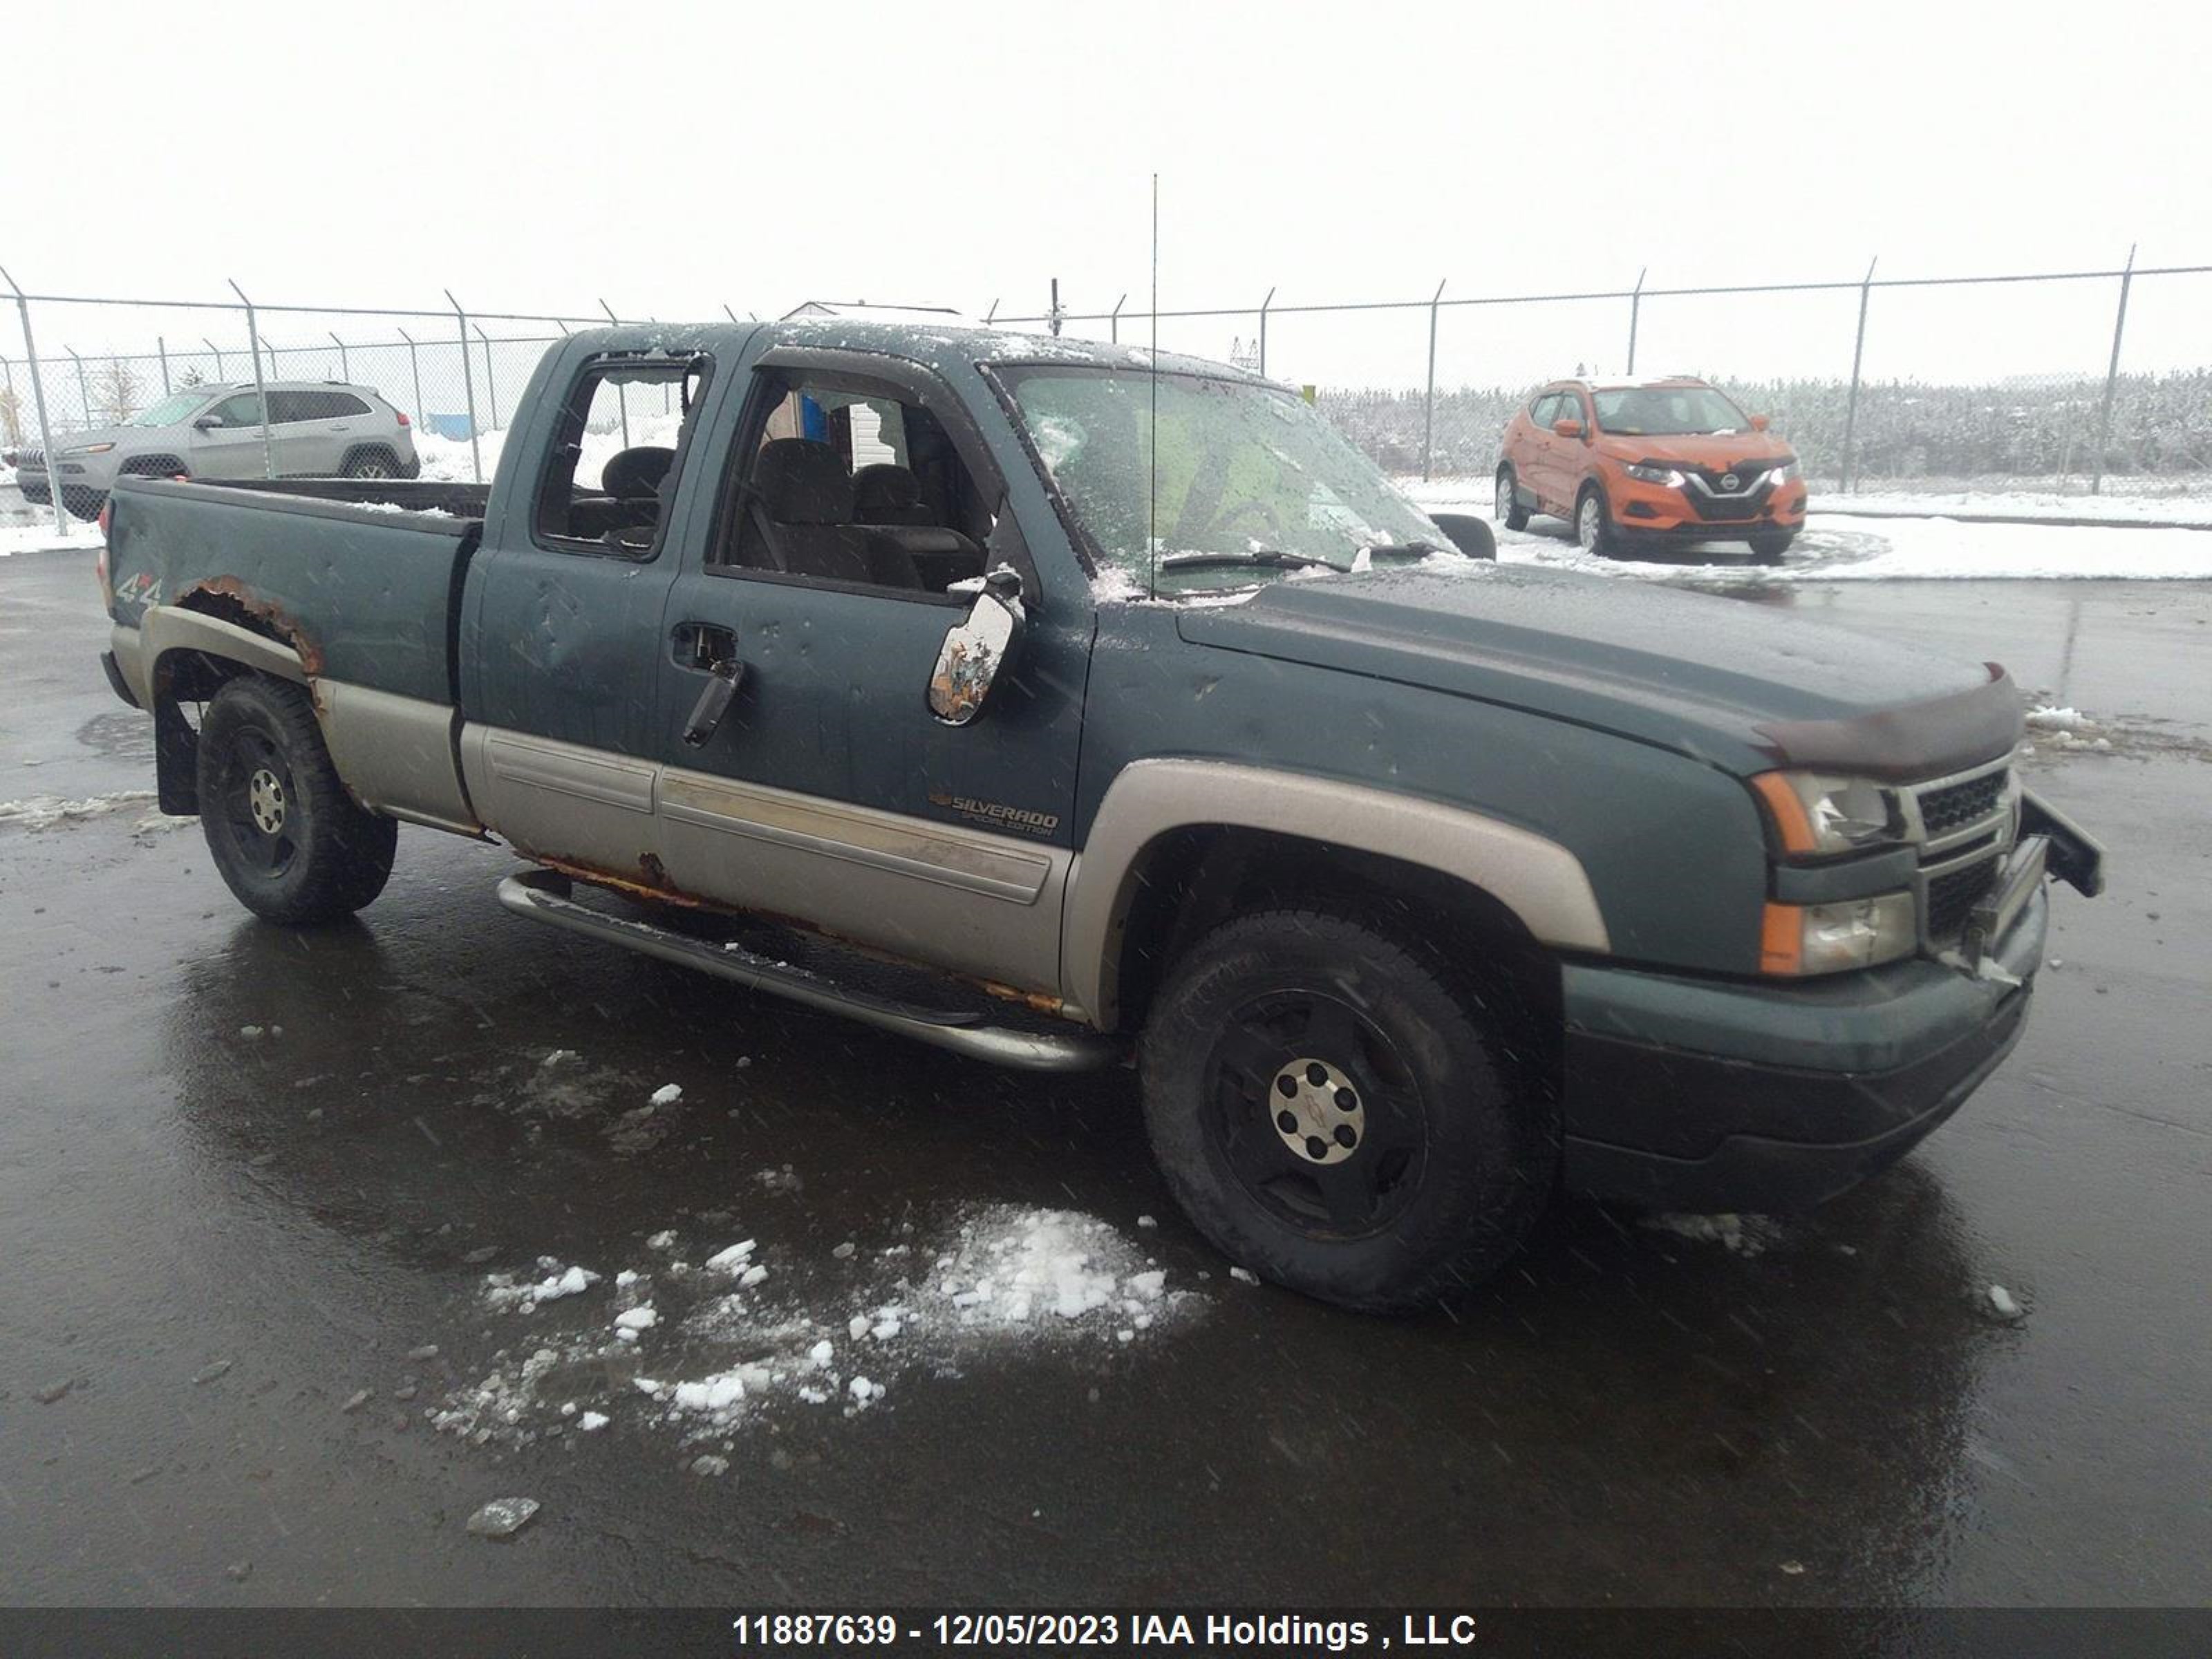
[[316, 429]]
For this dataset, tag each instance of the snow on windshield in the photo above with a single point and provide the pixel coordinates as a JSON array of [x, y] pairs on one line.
[[1189, 483]]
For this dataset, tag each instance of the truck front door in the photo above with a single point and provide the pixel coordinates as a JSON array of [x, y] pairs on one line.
[[827, 791]]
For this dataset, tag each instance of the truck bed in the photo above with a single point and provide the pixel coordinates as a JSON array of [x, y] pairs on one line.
[[458, 500], [362, 577]]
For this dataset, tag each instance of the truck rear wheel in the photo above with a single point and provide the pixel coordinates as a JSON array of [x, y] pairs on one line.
[[287, 838], [1341, 1116]]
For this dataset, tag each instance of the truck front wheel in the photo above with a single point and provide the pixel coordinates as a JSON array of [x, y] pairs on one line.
[[1342, 1115], [288, 839]]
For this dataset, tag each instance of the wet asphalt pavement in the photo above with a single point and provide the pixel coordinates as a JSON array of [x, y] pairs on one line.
[[218, 1240]]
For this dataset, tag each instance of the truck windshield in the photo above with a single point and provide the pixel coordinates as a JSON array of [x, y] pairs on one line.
[[1250, 485], [1650, 412], [170, 410]]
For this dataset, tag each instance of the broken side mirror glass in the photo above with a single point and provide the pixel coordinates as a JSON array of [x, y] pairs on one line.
[[976, 648]]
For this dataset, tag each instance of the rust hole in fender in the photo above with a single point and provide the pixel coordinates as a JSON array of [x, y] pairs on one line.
[[228, 600]]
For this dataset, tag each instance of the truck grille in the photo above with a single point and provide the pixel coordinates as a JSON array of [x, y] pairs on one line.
[[1959, 804], [1964, 828], [1952, 898]]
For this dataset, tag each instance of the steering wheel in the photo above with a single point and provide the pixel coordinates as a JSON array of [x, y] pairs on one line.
[[1255, 506]]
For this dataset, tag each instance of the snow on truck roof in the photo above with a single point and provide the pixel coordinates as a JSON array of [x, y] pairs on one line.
[[922, 339]]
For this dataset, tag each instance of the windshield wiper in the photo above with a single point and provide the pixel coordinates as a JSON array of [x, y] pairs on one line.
[[1273, 558]]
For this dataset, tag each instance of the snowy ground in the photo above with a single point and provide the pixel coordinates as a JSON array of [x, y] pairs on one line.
[[703, 1330], [1839, 548], [2117, 503]]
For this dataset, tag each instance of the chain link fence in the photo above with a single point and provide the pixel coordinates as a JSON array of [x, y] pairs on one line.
[[2062, 382], [2080, 382]]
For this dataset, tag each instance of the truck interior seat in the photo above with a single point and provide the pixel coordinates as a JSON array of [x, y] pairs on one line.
[[637, 474], [888, 500], [885, 494], [805, 495]]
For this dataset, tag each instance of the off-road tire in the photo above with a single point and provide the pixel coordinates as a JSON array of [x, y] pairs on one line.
[[329, 856], [1605, 543], [1769, 550], [1510, 512], [1445, 1061]]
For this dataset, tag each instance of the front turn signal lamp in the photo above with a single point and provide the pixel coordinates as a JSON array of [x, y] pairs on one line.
[[1819, 813], [1801, 939]]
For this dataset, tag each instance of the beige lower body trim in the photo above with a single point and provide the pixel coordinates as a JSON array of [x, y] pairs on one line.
[[565, 802], [982, 905], [1538, 880], [132, 661], [395, 754], [979, 904]]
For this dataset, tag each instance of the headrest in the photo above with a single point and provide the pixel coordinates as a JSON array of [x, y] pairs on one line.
[[636, 473], [801, 481]]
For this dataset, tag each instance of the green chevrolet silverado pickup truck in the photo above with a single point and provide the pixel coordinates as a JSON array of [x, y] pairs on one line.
[[1056, 704]]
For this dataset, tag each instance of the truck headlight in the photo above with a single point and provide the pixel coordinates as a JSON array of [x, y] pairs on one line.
[[1784, 474], [90, 449], [1829, 939], [1645, 472], [1815, 813]]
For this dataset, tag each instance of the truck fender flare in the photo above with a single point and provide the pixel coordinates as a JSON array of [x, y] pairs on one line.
[[167, 627], [1540, 882]]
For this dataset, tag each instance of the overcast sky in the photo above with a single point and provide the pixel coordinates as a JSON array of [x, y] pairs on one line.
[[671, 158]]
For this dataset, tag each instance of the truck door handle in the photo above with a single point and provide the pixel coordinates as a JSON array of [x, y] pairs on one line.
[[704, 647]]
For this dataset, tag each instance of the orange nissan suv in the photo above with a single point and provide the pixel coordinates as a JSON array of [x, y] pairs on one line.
[[1649, 461]]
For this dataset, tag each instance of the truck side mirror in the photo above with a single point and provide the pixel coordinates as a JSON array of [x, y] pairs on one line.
[[208, 422], [1758, 423], [1568, 429], [1471, 535], [976, 648]]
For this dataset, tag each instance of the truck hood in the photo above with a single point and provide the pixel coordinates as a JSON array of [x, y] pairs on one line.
[[1741, 685]]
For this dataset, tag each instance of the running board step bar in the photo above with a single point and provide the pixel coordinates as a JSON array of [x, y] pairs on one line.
[[543, 896]]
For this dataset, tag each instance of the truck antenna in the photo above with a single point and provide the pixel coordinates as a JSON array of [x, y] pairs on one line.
[[1153, 521]]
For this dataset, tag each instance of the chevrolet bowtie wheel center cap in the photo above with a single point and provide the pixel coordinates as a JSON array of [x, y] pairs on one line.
[[1318, 1112]]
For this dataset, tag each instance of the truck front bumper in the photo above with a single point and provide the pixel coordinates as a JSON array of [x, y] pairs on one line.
[[1700, 1095]]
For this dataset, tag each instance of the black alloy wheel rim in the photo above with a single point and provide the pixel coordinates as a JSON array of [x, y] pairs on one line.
[[259, 805], [1315, 1114]]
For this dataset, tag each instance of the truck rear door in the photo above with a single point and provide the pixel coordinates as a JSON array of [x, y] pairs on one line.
[[560, 662]]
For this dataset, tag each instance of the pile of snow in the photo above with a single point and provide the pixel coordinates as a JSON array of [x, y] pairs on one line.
[[45, 811], [43, 538], [1739, 1235], [501, 1293], [2066, 729], [696, 1353], [451, 460]]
